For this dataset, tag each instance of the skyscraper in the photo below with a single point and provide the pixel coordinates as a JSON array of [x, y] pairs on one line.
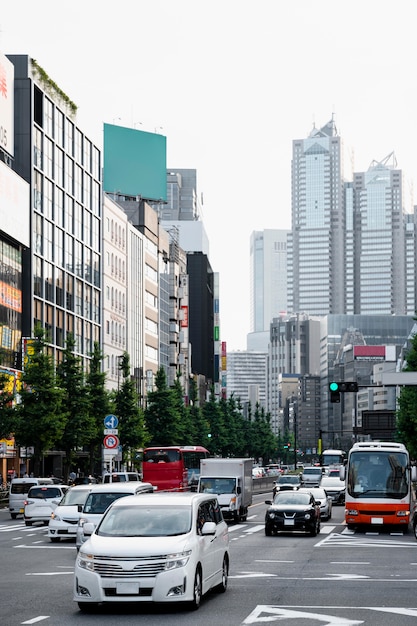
[[316, 254], [268, 277]]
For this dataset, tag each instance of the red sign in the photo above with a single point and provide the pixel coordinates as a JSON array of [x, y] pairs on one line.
[[111, 441]]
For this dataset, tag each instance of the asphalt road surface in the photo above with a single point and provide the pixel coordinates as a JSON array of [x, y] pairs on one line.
[[338, 577]]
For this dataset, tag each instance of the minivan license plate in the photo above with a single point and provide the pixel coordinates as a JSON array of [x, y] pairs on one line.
[[127, 589]]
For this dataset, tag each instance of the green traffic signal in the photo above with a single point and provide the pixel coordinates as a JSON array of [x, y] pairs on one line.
[[334, 386]]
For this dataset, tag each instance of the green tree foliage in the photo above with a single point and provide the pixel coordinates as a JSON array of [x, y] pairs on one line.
[[407, 413], [201, 427], [132, 432], [39, 420], [79, 423], [161, 417], [7, 400], [99, 405], [187, 427], [215, 418]]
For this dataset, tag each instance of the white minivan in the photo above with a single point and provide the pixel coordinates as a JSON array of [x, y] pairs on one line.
[[165, 547], [100, 498], [19, 489]]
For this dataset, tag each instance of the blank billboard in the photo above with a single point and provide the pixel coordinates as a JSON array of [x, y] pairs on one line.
[[134, 163]]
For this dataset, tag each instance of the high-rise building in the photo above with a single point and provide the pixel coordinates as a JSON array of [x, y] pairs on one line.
[[380, 270], [316, 253], [62, 282], [268, 277], [246, 377]]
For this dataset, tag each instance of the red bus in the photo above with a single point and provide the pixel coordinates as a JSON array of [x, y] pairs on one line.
[[173, 467], [379, 488]]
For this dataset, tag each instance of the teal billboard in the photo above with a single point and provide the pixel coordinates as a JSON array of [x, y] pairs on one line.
[[134, 163]]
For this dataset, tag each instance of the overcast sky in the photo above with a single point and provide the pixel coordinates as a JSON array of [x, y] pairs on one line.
[[231, 83]]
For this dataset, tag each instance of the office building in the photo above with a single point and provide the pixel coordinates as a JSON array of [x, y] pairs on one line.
[[62, 288], [268, 277]]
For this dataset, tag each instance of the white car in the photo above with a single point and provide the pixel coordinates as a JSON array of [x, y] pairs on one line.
[[100, 498], [64, 519], [335, 488], [41, 501], [164, 547], [326, 502]]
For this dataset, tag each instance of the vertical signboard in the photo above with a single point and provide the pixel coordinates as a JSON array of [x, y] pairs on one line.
[[6, 105]]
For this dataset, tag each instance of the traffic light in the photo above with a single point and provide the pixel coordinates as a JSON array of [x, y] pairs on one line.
[[336, 388]]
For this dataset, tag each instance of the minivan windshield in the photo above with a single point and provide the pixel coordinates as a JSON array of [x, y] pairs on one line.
[[138, 521], [97, 503]]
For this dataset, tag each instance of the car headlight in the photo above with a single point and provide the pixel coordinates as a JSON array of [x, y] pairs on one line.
[[271, 515], [307, 516], [177, 560], [86, 561]]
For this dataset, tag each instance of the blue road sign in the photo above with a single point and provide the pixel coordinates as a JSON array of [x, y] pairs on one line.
[[111, 421]]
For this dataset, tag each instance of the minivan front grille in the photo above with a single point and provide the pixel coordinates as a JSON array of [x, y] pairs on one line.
[[121, 567]]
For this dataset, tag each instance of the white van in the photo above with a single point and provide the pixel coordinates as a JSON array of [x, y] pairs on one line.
[[100, 498], [19, 488], [121, 477]]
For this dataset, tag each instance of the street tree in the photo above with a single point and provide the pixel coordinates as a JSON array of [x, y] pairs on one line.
[[79, 423], [406, 414], [161, 415], [39, 419], [132, 431], [99, 405]]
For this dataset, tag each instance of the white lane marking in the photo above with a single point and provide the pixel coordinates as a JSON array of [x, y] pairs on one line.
[[254, 529], [237, 527], [281, 613], [35, 620], [271, 613], [47, 573], [45, 547]]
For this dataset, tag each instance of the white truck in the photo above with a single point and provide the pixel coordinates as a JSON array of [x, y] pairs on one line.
[[231, 480]]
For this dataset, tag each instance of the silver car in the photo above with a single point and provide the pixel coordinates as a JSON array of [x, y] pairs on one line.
[[326, 502]]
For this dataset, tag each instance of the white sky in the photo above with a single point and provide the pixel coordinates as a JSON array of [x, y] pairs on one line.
[[231, 83]]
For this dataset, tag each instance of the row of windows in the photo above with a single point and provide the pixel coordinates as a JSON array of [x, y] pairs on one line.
[[63, 131], [59, 324]]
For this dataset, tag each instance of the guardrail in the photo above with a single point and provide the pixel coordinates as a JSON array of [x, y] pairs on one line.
[[264, 484], [4, 497]]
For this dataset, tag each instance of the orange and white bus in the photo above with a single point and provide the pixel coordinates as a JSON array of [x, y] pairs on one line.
[[173, 468], [378, 480]]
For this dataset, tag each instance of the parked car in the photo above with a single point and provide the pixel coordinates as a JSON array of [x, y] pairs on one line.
[[335, 488], [100, 498], [326, 502], [41, 501], [292, 510], [19, 489], [64, 519], [286, 482], [165, 547], [311, 476]]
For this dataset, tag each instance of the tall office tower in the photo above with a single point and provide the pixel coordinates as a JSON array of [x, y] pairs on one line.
[[316, 253], [268, 277], [380, 268], [62, 278]]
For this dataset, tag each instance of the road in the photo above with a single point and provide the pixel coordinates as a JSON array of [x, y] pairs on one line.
[[338, 577]]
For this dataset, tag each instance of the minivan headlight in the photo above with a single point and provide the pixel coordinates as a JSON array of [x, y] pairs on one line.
[[86, 561], [177, 560]]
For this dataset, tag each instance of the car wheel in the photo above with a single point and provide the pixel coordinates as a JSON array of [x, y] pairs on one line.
[[55, 539], [88, 607], [315, 529], [268, 531], [225, 575], [197, 591], [13, 515]]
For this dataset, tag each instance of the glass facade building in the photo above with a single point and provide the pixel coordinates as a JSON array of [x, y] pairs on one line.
[[62, 280]]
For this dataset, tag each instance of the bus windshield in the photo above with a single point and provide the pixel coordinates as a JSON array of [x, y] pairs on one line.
[[382, 475]]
